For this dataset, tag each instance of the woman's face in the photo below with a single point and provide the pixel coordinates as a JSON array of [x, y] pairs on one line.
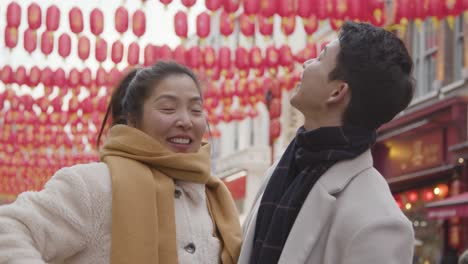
[[173, 114]]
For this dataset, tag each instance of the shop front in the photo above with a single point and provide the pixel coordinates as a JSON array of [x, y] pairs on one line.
[[416, 154]]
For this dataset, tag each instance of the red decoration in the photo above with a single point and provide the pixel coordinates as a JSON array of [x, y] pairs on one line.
[[357, 9], [226, 24], [34, 76], [413, 196], [340, 9], [256, 59], [310, 24], [165, 52], [209, 57], [85, 77], [271, 58], [267, 7], [251, 7], [117, 52], [83, 48], [275, 108], [149, 55], [97, 21], [193, 57], [60, 78], [275, 130], [47, 42], [404, 12], [180, 24], [285, 56], [304, 8], [213, 5], [34, 16], [52, 18], [30, 40], [203, 25], [73, 78], [322, 10], [224, 58], [139, 23], [100, 50], [20, 75], [11, 37], [179, 54], [75, 18], [265, 26], [133, 54], [121, 20], [288, 24], [6, 74], [64, 45], [188, 3], [247, 25], [287, 8], [101, 77], [13, 15], [231, 6], [47, 78], [165, 2], [428, 195], [242, 61], [114, 76]]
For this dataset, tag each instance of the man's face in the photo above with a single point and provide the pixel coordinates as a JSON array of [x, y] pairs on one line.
[[311, 95]]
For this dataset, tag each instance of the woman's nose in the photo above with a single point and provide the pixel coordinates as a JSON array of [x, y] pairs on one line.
[[184, 121]]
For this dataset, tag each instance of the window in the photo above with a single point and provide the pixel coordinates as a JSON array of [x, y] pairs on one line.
[[459, 53], [424, 52]]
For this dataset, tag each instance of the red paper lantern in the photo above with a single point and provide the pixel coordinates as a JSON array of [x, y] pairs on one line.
[[30, 40], [60, 78], [226, 24], [133, 56], [7, 74], [413, 196], [179, 54], [209, 57], [13, 15], [436, 9], [231, 6], [377, 17], [285, 56], [224, 58], [271, 57], [47, 42], [83, 48], [149, 55], [114, 76], [117, 52], [121, 19], [180, 24], [275, 130], [310, 24], [304, 8], [247, 25], [322, 9], [251, 7], [165, 52], [11, 37], [213, 5], [357, 9], [47, 78], [404, 12], [96, 21], [101, 50], [34, 76], [242, 61], [73, 78], [75, 18], [101, 77], [86, 77], [256, 59], [287, 8], [139, 23], [265, 26], [20, 75], [188, 3], [64, 45], [267, 7], [288, 24], [203, 25], [52, 18], [340, 9], [194, 55], [34, 16]]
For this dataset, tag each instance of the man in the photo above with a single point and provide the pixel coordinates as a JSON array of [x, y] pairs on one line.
[[323, 202]]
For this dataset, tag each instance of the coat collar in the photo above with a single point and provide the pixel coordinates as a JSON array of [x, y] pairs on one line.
[[318, 206]]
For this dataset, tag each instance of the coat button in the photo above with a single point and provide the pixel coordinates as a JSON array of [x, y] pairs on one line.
[[190, 248], [177, 194]]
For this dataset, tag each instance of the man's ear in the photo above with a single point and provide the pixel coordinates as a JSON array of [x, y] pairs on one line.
[[339, 94]]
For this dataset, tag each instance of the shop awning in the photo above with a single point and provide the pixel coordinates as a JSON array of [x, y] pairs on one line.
[[455, 206]]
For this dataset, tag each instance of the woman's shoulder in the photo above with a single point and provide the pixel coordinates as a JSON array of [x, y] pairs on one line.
[[94, 175]]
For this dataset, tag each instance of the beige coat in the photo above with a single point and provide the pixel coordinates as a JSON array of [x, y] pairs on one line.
[[348, 217]]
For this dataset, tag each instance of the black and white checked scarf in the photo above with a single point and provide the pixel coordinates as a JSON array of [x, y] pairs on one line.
[[307, 157]]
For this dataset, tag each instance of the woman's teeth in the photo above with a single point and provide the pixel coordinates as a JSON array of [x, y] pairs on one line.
[[180, 140]]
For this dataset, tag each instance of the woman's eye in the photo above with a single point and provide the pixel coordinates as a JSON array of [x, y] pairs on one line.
[[167, 109]]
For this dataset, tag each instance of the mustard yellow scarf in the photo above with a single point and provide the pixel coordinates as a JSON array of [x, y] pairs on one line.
[[143, 216]]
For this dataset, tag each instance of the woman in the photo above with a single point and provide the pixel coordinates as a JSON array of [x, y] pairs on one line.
[[151, 199]]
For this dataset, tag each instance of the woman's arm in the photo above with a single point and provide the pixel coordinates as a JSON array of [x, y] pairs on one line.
[[50, 225]]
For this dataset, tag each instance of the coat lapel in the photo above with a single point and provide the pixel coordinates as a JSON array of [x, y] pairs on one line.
[[315, 213]]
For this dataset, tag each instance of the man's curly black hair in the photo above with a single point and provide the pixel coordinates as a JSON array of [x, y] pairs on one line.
[[378, 69]]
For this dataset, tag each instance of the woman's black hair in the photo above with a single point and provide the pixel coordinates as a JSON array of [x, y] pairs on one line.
[[128, 97]]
